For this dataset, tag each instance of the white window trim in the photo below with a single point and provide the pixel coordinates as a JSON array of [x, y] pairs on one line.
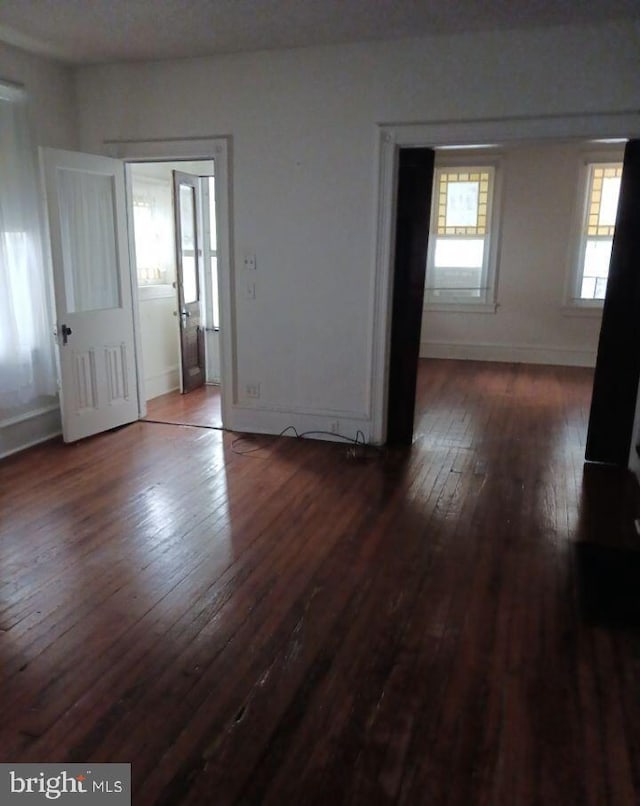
[[208, 253], [488, 303], [573, 304], [461, 307]]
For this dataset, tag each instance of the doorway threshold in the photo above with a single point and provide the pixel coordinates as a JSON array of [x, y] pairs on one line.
[[200, 408]]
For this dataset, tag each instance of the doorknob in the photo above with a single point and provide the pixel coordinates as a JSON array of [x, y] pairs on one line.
[[66, 332]]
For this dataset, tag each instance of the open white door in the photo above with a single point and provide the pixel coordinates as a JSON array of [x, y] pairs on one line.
[[92, 282]]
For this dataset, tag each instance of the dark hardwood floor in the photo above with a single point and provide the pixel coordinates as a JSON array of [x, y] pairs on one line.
[[199, 407], [430, 625]]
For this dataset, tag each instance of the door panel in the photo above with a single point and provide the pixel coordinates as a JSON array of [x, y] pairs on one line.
[[92, 282], [186, 196]]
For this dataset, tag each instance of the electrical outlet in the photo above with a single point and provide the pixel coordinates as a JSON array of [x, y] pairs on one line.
[[253, 390], [250, 290], [334, 426], [250, 262]]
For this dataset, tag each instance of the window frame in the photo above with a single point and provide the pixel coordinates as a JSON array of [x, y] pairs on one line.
[[209, 211], [473, 161], [573, 303], [165, 286]]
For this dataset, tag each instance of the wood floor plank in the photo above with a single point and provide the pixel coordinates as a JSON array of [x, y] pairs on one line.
[[264, 620]]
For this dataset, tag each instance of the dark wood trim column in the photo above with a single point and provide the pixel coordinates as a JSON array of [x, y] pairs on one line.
[[413, 212], [618, 364]]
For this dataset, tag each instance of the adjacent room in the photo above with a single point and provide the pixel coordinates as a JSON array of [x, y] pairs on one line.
[[162, 273], [319, 414]]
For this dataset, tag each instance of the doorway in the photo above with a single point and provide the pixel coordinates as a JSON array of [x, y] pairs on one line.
[[174, 216], [567, 319]]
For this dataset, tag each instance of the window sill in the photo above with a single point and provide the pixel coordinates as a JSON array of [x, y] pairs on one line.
[[461, 307], [578, 310], [155, 292], [28, 413]]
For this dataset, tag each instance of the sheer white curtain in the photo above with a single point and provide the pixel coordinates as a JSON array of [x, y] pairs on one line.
[[26, 347], [88, 227]]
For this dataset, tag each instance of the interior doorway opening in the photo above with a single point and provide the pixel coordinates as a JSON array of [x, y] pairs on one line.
[[175, 247], [443, 322]]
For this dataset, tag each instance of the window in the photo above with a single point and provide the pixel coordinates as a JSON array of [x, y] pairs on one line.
[[27, 374], [461, 255], [213, 253], [153, 230], [602, 188]]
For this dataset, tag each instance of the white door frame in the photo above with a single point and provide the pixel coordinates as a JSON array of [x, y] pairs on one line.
[[392, 137], [207, 148]]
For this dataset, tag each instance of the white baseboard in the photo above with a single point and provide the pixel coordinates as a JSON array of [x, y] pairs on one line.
[[253, 420], [510, 353], [30, 429], [161, 384]]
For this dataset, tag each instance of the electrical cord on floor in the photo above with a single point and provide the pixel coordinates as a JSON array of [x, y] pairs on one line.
[[356, 450], [185, 425], [210, 428]]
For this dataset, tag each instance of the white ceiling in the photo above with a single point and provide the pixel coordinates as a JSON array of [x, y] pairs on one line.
[[90, 31]]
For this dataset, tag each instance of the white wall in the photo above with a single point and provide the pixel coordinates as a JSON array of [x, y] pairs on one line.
[[160, 347], [539, 205], [303, 129], [51, 93], [52, 110]]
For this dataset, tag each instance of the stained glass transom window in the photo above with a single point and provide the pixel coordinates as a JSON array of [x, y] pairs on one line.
[[603, 199], [463, 202]]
